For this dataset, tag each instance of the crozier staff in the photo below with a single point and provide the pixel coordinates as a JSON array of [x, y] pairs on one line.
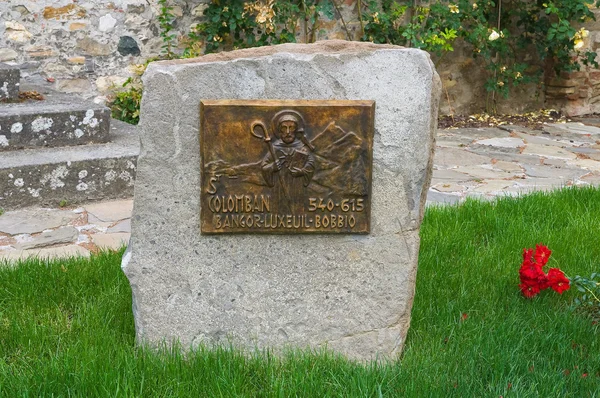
[[290, 165]]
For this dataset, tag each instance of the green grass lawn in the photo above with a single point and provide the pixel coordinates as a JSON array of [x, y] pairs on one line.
[[66, 327]]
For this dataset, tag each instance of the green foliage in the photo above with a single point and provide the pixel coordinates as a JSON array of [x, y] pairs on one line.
[[238, 24], [126, 104], [589, 301], [63, 203], [503, 35], [166, 21], [1, 211], [515, 41]]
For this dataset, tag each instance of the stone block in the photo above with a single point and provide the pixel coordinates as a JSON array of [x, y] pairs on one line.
[[58, 120], [73, 85], [10, 77], [93, 47], [77, 26], [349, 293], [562, 83], [577, 75], [75, 174], [595, 77], [76, 60], [40, 51], [70, 11], [8, 54], [128, 46], [106, 23], [559, 91], [16, 32]]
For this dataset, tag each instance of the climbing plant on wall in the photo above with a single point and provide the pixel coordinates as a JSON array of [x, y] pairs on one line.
[[516, 40]]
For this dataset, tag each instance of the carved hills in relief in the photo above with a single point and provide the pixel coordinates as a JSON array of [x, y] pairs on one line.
[[340, 162]]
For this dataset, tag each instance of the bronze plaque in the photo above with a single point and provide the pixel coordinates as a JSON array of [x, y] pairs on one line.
[[286, 167]]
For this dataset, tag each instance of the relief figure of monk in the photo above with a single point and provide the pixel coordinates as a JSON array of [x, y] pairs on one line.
[[292, 170]]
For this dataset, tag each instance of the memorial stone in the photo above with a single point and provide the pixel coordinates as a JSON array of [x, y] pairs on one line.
[[283, 134]]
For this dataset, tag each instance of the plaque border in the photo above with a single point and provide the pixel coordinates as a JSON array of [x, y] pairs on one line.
[[370, 104]]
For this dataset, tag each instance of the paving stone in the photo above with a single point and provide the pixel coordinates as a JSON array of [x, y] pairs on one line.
[[548, 152], [576, 127], [541, 183], [592, 178], [111, 241], [549, 171], [450, 174], [505, 144], [6, 240], [441, 198], [61, 251], [123, 226], [504, 156], [540, 140], [511, 167], [480, 172], [52, 252], [587, 164], [50, 238], [30, 221], [447, 143], [551, 162], [96, 223], [568, 136], [590, 121], [448, 187], [115, 210], [450, 157], [481, 133], [450, 139], [592, 153], [492, 186], [515, 128]]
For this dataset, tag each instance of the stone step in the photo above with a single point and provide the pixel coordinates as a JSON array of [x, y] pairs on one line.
[[10, 77], [57, 120], [71, 175]]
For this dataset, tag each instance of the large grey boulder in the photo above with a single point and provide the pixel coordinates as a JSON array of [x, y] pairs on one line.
[[349, 293]]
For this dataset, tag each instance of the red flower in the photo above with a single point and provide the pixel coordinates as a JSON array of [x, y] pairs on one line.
[[558, 281], [529, 288], [533, 278], [530, 270], [542, 253], [528, 255]]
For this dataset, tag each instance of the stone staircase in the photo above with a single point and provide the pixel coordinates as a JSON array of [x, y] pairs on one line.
[[61, 149]]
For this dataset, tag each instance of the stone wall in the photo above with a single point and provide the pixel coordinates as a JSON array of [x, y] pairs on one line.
[[579, 91], [84, 46], [88, 47]]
